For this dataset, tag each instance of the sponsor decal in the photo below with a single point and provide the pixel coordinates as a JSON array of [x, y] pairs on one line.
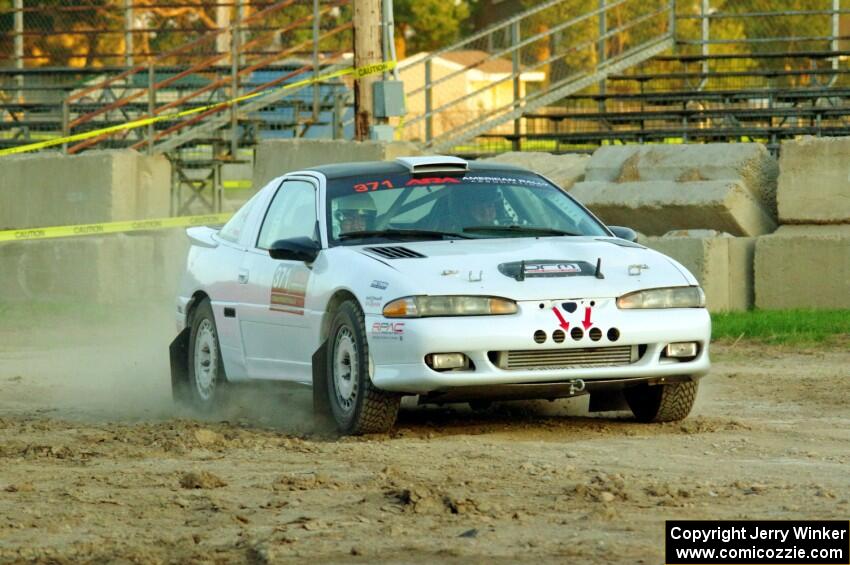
[[388, 330], [449, 273], [381, 285], [374, 301], [635, 270], [289, 289], [503, 180], [541, 268], [432, 180]]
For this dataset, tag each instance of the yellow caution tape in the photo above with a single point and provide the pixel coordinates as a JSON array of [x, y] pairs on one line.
[[359, 72], [112, 227]]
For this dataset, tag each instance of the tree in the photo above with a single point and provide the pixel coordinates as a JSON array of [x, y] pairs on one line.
[[425, 25]]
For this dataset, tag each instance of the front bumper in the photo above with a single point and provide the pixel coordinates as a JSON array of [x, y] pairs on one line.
[[398, 351]]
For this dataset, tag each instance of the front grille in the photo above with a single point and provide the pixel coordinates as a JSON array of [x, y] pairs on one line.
[[394, 252], [536, 359]]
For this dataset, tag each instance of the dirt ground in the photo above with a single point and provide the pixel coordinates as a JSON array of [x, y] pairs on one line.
[[96, 466]]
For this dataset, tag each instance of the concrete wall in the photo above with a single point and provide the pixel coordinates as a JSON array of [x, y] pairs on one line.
[[105, 269], [748, 163], [814, 182], [803, 267], [280, 156], [564, 170], [728, 187], [49, 189], [656, 207], [722, 264]]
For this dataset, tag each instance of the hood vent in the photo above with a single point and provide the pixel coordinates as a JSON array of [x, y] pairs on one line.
[[394, 252]]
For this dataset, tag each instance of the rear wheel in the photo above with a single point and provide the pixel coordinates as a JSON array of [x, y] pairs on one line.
[[358, 407], [662, 403], [205, 389]]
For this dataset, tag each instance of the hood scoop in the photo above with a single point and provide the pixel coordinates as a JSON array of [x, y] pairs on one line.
[[394, 252]]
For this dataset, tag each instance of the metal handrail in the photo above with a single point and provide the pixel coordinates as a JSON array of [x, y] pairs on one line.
[[510, 108], [265, 86], [207, 63], [539, 64], [215, 84], [542, 35], [177, 50]]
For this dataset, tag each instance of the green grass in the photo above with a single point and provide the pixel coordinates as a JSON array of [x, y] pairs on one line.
[[782, 326]]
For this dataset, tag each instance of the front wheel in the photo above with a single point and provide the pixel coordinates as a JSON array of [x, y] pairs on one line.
[[358, 407], [662, 403]]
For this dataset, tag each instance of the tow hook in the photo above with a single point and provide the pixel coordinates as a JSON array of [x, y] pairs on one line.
[[576, 385]]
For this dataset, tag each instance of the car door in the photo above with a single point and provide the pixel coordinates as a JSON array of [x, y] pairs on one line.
[[274, 325]]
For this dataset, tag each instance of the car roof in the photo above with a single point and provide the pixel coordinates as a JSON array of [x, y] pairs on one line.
[[340, 170]]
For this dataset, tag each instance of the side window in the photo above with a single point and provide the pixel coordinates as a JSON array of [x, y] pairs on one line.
[[232, 230], [292, 213]]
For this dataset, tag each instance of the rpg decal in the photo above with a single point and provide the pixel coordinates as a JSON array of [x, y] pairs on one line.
[[388, 330], [289, 289]]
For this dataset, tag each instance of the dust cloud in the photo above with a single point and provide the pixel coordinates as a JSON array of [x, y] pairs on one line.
[[113, 365]]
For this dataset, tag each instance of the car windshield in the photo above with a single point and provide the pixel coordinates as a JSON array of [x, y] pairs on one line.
[[475, 205]]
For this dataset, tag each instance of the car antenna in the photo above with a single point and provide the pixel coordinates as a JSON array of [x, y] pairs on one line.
[[520, 276], [599, 274]]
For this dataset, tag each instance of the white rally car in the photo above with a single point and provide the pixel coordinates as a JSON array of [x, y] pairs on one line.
[[455, 281]]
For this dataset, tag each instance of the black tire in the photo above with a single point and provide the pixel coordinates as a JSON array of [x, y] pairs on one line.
[[480, 405], [357, 406], [662, 403], [205, 389]]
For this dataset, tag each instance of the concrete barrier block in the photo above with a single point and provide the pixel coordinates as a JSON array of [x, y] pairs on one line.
[[814, 181], [656, 207], [98, 269], [276, 157], [803, 266], [722, 264], [750, 163], [49, 189], [564, 170]]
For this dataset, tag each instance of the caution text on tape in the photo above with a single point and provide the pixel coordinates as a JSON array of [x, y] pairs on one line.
[[112, 227]]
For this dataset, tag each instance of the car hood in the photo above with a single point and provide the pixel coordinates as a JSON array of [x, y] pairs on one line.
[[554, 267]]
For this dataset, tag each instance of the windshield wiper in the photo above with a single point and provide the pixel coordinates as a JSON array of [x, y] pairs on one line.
[[392, 232], [520, 229]]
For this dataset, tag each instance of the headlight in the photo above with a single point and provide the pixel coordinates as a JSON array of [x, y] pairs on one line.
[[676, 297], [425, 306]]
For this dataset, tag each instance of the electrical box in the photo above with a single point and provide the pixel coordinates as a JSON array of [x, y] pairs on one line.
[[389, 98], [382, 133]]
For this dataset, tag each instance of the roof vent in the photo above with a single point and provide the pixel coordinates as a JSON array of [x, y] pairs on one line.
[[434, 164], [394, 252]]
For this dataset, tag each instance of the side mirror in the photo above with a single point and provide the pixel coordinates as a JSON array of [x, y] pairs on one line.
[[295, 249], [624, 233]]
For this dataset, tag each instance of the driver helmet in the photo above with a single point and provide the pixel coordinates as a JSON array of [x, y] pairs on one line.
[[356, 212]]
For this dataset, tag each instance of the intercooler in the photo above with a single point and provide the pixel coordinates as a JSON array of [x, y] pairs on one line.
[[576, 358]]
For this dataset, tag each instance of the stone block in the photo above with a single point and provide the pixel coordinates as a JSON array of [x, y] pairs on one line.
[[564, 170], [656, 207], [749, 163], [814, 181], [722, 264], [277, 157], [50, 189], [803, 266], [105, 269]]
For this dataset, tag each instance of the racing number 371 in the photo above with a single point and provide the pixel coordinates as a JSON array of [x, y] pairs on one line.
[[372, 185]]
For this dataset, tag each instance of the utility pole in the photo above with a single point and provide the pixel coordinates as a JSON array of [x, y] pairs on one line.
[[367, 51]]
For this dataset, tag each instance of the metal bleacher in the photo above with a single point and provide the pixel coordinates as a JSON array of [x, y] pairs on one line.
[[769, 89], [256, 49]]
